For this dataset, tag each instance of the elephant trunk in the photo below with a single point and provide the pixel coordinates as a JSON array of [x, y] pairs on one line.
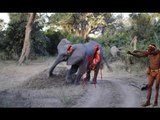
[[57, 61]]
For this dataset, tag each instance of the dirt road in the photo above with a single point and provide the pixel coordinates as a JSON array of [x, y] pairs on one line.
[[35, 89], [110, 92]]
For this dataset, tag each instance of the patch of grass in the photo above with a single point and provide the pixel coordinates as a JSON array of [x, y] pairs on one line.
[[138, 68], [135, 68], [68, 95], [3, 56], [7, 63], [40, 59]]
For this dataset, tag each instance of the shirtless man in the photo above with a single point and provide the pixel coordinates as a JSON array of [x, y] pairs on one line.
[[153, 70]]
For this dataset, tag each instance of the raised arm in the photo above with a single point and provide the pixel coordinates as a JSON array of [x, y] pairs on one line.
[[140, 51], [142, 54]]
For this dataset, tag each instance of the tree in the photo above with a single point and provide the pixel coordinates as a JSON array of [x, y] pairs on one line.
[[14, 35], [27, 43], [16, 17], [1, 33], [79, 23], [2, 24], [141, 25]]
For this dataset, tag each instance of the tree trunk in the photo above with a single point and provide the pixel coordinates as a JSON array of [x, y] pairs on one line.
[[27, 41], [134, 43], [85, 34]]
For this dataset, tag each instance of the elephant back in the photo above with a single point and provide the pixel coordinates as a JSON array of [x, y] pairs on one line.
[[90, 48], [77, 55], [90, 54]]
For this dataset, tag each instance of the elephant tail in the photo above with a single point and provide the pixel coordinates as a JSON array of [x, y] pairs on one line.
[[106, 62]]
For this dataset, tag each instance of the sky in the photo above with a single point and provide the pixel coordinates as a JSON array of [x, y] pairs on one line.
[[5, 17]]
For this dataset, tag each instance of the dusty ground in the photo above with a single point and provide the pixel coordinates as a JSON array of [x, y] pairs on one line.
[[29, 86]]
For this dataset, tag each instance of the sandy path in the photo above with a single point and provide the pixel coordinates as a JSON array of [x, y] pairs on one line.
[[114, 90], [12, 75], [110, 92]]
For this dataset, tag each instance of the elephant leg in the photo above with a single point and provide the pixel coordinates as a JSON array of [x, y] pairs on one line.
[[81, 71], [87, 78], [94, 81], [72, 70]]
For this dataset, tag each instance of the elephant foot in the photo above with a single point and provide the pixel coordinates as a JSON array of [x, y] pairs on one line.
[[86, 79], [93, 82], [76, 83], [68, 82]]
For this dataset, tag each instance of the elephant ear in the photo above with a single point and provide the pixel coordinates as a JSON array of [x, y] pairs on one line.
[[77, 55]]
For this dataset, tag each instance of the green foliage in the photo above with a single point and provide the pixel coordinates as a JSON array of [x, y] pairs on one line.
[[156, 36], [38, 40], [118, 39], [1, 24], [2, 53], [16, 17], [2, 36], [14, 37], [80, 24], [53, 40], [73, 38], [141, 25], [55, 37], [74, 27]]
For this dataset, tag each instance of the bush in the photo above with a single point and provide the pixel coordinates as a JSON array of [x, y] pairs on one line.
[[52, 42], [73, 38], [14, 37], [12, 43]]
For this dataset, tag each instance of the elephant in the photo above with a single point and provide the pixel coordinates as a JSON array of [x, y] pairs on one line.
[[119, 53], [80, 57], [115, 53]]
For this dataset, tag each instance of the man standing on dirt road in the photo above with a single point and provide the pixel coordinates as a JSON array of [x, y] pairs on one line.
[[153, 71]]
